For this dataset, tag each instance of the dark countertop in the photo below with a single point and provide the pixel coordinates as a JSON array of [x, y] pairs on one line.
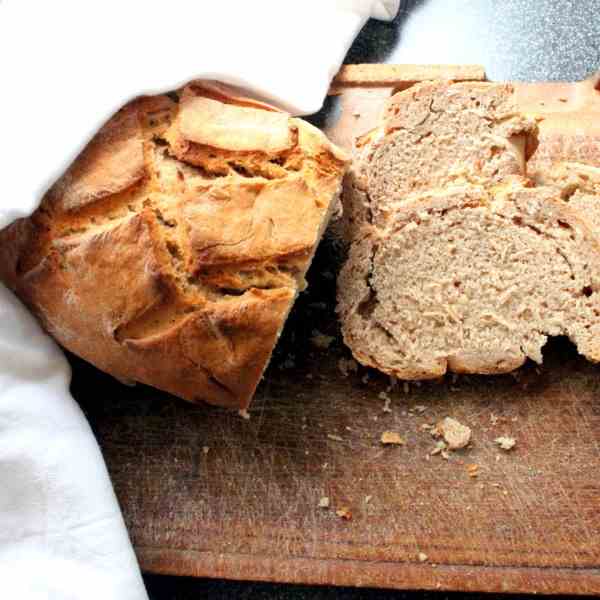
[[187, 588], [529, 40]]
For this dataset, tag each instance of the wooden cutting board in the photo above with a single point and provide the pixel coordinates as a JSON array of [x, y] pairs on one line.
[[207, 493]]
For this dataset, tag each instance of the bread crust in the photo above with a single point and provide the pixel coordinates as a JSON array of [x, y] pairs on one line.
[[171, 251]]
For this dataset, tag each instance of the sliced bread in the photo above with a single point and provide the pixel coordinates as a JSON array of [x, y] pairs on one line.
[[457, 261]]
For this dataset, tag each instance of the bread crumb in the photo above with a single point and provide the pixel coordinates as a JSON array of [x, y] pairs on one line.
[[406, 387], [244, 414], [505, 442], [393, 438], [422, 557], [334, 437], [493, 419], [346, 365], [205, 449], [368, 499], [455, 434], [420, 408], [440, 445], [325, 465], [473, 470], [324, 502], [344, 513], [426, 427], [386, 402], [320, 340]]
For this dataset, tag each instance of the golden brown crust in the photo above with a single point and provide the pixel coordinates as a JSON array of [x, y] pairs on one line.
[[15, 239], [210, 122], [112, 162], [171, 251]]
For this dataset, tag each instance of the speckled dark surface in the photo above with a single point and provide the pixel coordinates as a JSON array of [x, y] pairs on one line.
[[529, 40]]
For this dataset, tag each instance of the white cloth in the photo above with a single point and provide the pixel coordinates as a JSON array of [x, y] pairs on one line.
[[66, 67]]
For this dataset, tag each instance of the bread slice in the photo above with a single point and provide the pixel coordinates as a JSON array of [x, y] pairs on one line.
[[432, 134], [172, 250], [458, 262], [471, 280]]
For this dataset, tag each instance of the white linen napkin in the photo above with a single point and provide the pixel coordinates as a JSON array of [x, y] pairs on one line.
[[66, 67]]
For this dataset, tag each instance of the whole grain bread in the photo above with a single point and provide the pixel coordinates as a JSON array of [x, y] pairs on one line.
[[171, 251], [432, 134], [457, 261]]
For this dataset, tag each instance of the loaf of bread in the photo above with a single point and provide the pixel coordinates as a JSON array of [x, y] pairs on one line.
[[458, 261], [172, 250]]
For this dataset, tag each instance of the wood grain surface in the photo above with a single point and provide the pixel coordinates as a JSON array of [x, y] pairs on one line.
[[207, 493]]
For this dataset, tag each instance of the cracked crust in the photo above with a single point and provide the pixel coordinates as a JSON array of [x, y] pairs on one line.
[[457, 262], [172, 250]]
